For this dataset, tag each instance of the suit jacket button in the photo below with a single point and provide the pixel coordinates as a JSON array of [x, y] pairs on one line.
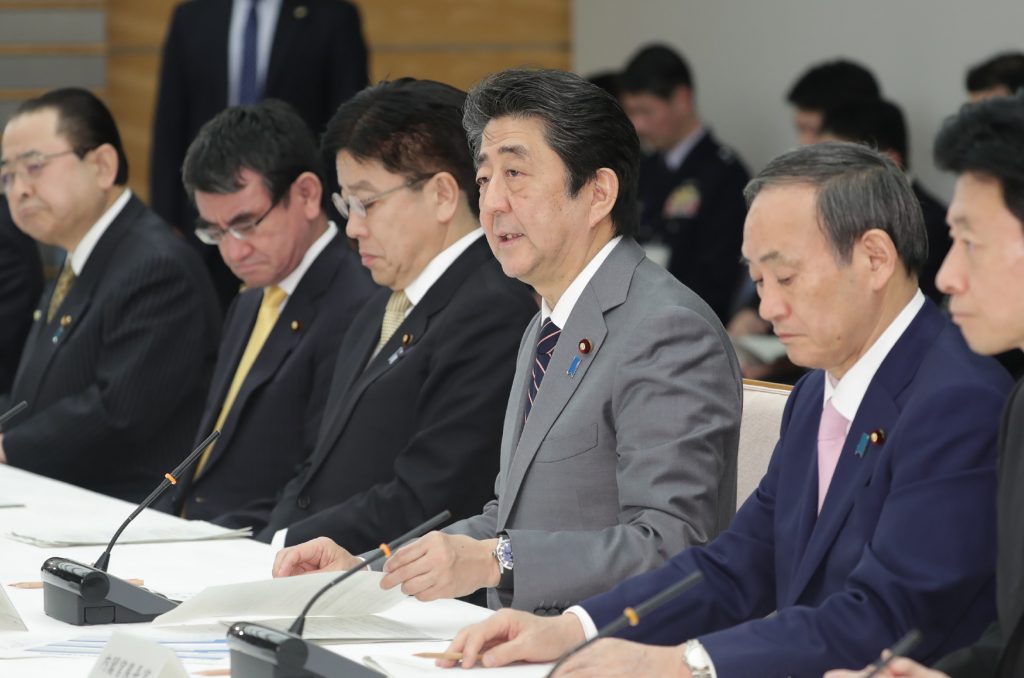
[[303, 502], [199, 500]]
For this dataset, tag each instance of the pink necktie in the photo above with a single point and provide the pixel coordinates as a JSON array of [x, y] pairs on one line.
[[831, 435]]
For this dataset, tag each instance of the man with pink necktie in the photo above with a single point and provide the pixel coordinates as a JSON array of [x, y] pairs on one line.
[[876, 515]]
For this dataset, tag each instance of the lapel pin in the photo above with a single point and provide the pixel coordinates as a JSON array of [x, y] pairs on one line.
[[573, 366], [301, 12], [862, 445], [585, 346], [296, 326], [878, 436], [406, 339], [393, 358], [36, 315], [65, 320]]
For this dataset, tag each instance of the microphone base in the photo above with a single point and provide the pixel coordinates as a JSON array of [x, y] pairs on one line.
[[84, 595], [259, 651]]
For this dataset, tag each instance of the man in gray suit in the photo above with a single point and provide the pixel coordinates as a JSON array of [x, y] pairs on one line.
[[620, 435]]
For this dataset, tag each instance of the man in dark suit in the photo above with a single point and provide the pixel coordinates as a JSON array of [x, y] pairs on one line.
[[255, 173], [622, 424], [875, 514], [998, 76], [825, 87], [21, 283], [412, 421], [880, 124], [115, 366], [219, 53], [984, 145], [691, 186]]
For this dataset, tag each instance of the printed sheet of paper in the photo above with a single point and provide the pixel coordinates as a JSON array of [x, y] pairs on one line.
[[61, 535], [358, 595], [363, 629], [10, 620], [408, 665]]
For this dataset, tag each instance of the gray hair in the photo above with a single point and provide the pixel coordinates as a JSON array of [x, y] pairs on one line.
[[858, 189]]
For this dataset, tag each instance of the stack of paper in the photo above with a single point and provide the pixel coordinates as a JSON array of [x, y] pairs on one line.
[[347, 612], [57, 536]]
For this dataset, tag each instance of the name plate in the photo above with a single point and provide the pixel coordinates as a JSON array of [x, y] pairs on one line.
[[127, 656]]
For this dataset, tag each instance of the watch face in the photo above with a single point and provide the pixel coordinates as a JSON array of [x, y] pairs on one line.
[[505, 555]]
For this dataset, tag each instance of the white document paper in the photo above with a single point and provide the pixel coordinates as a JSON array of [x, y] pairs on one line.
[[10, 620], [358, 595], [363, 629], [126, 655], [408, 665], [61, 535]]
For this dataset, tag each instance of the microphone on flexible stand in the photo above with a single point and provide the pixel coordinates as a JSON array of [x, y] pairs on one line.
[[85, 594], [259, 651], [632, 616]]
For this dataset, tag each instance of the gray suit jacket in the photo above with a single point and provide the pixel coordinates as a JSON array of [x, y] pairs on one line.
[[629, 460]]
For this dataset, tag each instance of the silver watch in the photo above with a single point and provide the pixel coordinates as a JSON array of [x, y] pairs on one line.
[[503, 554], [696, 659]]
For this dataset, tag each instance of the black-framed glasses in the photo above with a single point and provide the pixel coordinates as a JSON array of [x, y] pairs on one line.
[[353, 205], [28, 166], [211, 234]]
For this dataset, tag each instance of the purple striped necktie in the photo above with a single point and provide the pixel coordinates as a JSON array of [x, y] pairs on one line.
[[546, 342]]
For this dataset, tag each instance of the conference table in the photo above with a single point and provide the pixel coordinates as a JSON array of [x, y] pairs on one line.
[[176, 569]]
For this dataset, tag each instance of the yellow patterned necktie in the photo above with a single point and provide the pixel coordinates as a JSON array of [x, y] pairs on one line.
[[60, 290], [266, 318], [394, 315]]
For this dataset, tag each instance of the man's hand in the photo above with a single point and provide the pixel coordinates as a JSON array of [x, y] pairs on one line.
[[317, 555], [901, 667], [613, 657], [440, 565], [3, 457], [511, 635]]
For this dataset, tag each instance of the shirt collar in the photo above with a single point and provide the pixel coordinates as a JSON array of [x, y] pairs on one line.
[[81, 253], [675, 156], [560, 313], [433, 271], [848, 393], [292, 280]]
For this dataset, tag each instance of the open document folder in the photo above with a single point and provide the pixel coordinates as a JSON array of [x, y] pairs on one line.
[[347, 612]]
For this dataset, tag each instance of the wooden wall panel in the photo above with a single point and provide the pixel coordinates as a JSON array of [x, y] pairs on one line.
[[462, 68]]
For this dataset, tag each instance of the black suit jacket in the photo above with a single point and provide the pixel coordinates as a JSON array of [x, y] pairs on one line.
[[21, 283], [938, 240], [274, 420], [416, 429], [318, 60], [1000, 651], [698, 211], [115, 383]]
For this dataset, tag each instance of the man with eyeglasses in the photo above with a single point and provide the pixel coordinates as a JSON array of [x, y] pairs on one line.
[[255, 176], [413, 421], [116, 362]]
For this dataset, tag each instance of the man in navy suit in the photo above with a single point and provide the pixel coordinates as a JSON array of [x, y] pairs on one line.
[[875, 516], [256, 175]]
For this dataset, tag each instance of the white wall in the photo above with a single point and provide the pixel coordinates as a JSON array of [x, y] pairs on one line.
[[745, 54]]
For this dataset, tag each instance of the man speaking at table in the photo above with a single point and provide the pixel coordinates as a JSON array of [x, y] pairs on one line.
[[875, 516], [620, 435]]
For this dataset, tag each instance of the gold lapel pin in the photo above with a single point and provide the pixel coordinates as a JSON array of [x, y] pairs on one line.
[[406, 339], [36, 315], [296, 326], [585, 346], [877, 436], [300, 12], [65, 320]]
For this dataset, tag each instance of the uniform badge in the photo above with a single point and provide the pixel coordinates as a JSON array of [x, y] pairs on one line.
[[683, 202]]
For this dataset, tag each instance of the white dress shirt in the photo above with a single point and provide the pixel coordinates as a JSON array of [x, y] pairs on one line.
[[88, 242], [291, 281], [563, 307], [676, 156]]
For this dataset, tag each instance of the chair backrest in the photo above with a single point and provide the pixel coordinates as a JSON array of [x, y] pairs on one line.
[[763, 403]]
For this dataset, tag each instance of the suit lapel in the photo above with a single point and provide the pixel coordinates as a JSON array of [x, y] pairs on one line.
[[878, 410], [606, 290], [248, 306], [215, 39], [293, 17]]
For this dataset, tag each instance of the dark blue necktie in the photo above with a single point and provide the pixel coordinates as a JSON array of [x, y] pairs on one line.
[[546, 342], [248, 88]]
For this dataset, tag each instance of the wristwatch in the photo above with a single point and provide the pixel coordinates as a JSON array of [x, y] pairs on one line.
[[696, 659], [503, 554]]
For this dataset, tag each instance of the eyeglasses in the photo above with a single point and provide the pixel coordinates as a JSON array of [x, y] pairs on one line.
[[212, 235], [353, 205], [28, 166]]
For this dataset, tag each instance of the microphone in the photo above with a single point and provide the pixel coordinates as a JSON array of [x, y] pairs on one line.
[[632, 616], [82, 594], [11, 413], [901, 648], [259, 651]]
